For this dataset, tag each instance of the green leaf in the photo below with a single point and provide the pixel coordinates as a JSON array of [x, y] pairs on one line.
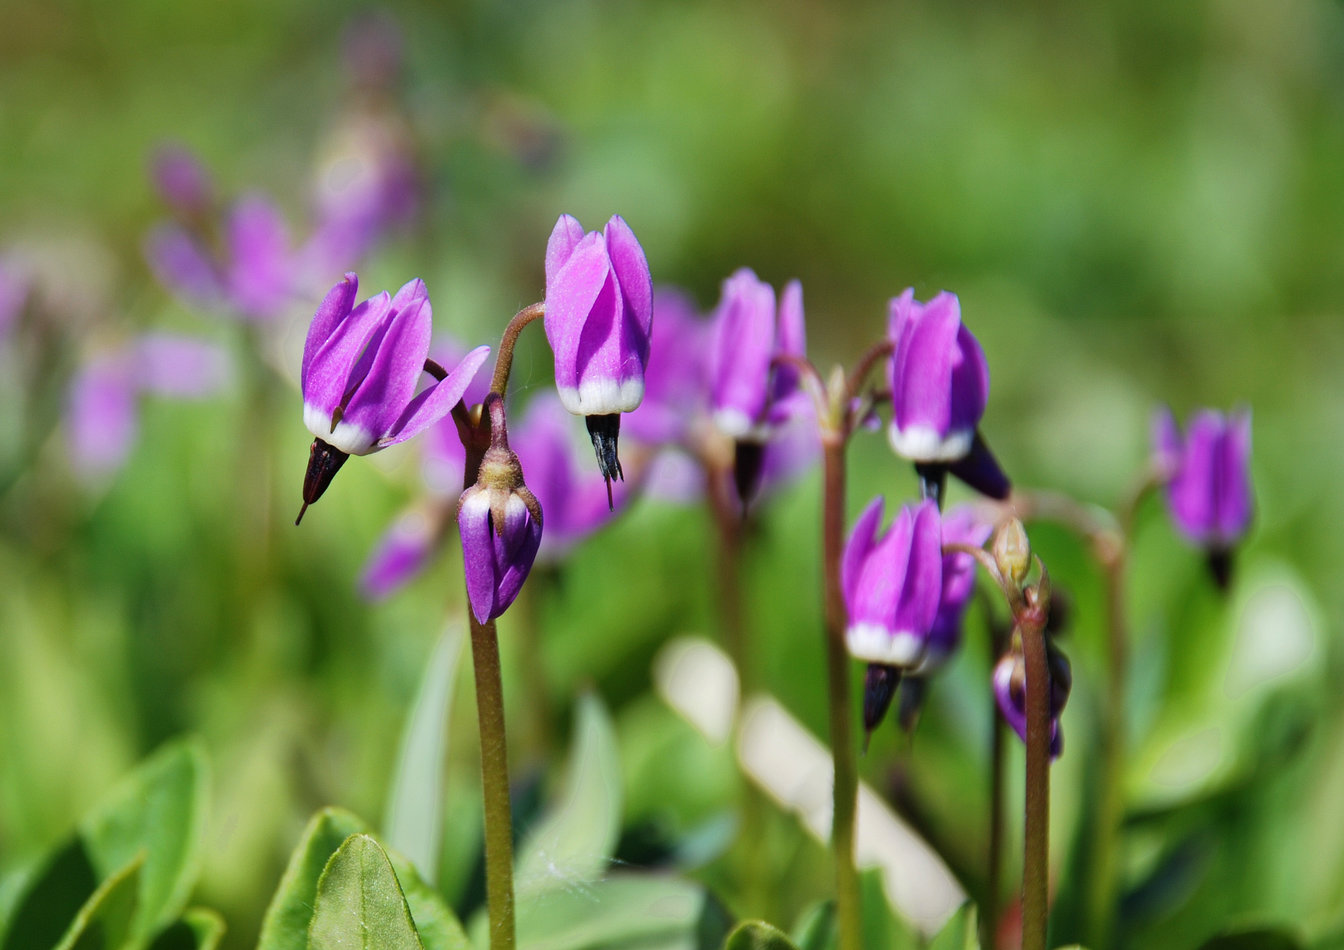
[[960, 932], [1255, 938], [572, 844], [285, 926], [52, 898], [414, 821], [880, 924], [105, 919], [159, 811], [815, 929], [198, 929], [652, 913], [360, 903], [757, 935]]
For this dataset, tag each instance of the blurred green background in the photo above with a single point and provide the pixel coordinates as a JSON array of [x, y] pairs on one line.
[[1137, 204]]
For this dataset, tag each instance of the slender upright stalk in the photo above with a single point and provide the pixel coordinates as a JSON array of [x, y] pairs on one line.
[[495, 781], [1036, 833], [989, 912], [837, 670]]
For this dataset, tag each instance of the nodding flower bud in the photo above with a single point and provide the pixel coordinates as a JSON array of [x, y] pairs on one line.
[[599, 315], [879, 688], [1208, 480], [1010, 690], [500, 524], [1012, 552]]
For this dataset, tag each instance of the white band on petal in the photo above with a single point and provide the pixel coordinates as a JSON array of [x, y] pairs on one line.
[[350, 439], [921, 443], [874, 643], [602, 396]]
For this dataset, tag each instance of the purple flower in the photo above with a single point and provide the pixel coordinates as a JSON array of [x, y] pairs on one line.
[[749, 395], [939, 380], [599, 315], [101, 416], [1010, 690], [500, 524], [361, 369], [676, 377], [253, 274], [959, 526], [1208, 475], [892, 584], [182, 181], [401, 554]]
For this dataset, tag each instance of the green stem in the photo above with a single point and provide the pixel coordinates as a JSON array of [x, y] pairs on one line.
[[495, 781], [499, 382], [1036, 833], [837, 674]]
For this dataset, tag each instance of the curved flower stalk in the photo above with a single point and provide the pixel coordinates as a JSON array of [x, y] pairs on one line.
[[939, 389], [101, 411], [599, 316], [361, 369], [1208, 480]]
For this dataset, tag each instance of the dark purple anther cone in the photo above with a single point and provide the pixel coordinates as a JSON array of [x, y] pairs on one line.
[[1220, 568], [605, 431], [324, 461], [879, 688], [981, 471], [914, 690], [748, 464], [932, 481]]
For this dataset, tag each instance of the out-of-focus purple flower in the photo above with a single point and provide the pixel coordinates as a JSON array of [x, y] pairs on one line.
[[182, 181], [574, 498], [892, 584], [1010, 690], [1208, 475], [599, 316], [939, 379], [361, 368], [252, 275], [500, 521], [749, 395], [101, 416], [960, 525], [676, 377], [400, 555]]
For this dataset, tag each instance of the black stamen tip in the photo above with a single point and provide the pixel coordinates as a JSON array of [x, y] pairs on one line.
[[748, 464], [932, 481], [879, 687], [605, 432], [1220, 568], [324, 461]]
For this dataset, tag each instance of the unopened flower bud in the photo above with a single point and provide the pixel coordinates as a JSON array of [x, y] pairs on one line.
[[1012, 552]]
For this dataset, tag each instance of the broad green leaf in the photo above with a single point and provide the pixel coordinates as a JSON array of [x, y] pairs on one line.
[[757, 935], [1255, 938], [285, 926], [960, 932], [359, 902], [105, 919], [159, 811], [414, 821], [52, 898], [573, 842], [815, 929], [652, 913], [197, 929], [881, 925]]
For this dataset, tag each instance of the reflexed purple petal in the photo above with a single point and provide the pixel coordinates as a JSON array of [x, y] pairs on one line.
[[1191, 492], [329, 373], [438, 400], [171, 365], [632, 274], [259, 271], [970, 381], [101, 415], [401, 554], [792, 338], [570, 297], [398, 360], [565, 237], [180, 264], [744, 343], [1234, 473], [334, 308], [859, 548]]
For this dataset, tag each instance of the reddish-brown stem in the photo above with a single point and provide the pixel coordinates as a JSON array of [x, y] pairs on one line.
[[499, 382], [1036, 830]]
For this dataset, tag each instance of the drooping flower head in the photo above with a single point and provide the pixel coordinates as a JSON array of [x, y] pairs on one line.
[[1010, 690], [892, 584], [939, 390], [361, 368], [599, 315], [1208, 479], [500, 523], [961, 525]]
